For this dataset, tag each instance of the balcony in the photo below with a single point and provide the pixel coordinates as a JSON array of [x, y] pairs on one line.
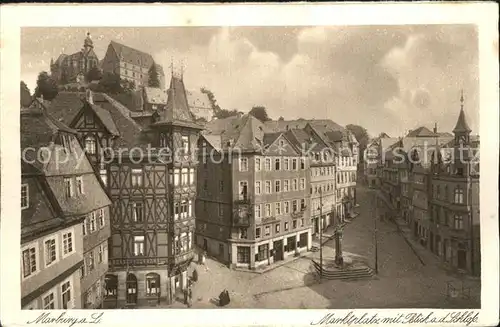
[[137, 262], [241, 213], [181, 258]]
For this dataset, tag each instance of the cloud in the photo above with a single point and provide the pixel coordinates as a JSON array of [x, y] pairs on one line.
[[385, 78]]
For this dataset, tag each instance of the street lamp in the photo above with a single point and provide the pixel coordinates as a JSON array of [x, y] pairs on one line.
[[375, 232]]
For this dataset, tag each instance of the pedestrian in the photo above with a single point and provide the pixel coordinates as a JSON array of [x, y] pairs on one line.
[[222, 299], [185, 292], [190, 297], [227, 297]]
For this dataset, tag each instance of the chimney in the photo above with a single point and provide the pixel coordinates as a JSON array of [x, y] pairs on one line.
[[89, 97], [435, 128], [287, 127]]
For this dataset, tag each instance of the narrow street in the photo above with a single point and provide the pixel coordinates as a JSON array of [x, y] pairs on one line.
[[402, 280]]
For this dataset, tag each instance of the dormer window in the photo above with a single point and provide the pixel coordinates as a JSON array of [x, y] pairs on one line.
[[68, 188], [90, 145]]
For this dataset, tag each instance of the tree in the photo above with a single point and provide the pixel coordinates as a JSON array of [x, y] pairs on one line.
[[281, 118], [110, 83], [361, 135], [127, 86], [94, 74], [46, 87], [224, 113], [64, 77], [260, 113], [25, 95], [211, 98], [154, 76]]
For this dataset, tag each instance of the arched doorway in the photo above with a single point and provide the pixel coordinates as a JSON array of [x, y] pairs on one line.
[[111, 290], [131, 289], [153, 286]]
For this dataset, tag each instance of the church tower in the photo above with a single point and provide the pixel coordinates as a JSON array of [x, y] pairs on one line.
[[461, 143], [88, 44]]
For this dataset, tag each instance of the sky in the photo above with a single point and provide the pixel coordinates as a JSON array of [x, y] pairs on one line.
[[385, 78]]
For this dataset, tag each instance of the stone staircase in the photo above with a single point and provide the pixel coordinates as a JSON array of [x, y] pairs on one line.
[[351, 274]]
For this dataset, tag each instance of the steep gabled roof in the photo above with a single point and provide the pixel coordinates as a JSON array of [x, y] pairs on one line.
[[284, 125], [177, 110], [422, 131], [461, 126], [134, 56], [245, 133]]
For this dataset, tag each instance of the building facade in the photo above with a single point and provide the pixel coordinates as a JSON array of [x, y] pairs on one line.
[[56, 198], [253, 187], [74, 67], [152, 213], [131, 64]]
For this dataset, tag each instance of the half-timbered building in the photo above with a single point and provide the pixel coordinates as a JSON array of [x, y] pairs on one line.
[[150, 175]]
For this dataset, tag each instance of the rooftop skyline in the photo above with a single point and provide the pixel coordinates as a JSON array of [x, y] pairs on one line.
[[409, 75]]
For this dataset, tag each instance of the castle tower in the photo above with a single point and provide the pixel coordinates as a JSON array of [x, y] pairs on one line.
[[88, 44]]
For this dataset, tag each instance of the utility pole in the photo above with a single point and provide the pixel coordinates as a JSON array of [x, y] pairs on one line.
[[321, 233]]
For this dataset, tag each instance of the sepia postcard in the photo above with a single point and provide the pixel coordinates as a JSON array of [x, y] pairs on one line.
[[208, 163]]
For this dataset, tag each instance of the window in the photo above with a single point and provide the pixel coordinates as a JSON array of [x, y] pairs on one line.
[[138, 245], [100, 254], [184, 176], [277, 186], [286, 207], [104, 176], [258, 213], [277, 208], [243, 254], [302, 222], [302, 163], [243, 164], [68, 188], [268, 230], [137, 211], [294, 223], [286, 225], [263, 252], [268, 210], [90, 145], [90, 261], [191, 176], [185, 144], [257, 164], [67, 243], [50, 251], [277, 228], [267, 164], [221, 210], [82, 271], [152, 284], [79, 185], [243, 233], [49, 301], [294, 206], [177, 174], [268, 187], [84, 227], [294, 184], [459, 195], [205, 184], [29, 261], [286, 185], [258, 187], [294, 164], [221, 186], [92, 222], [136, 177], [257, 232], [243, 190], [286, 164], [101, 218], [66, 294], [458, 222], [190, 208], [277, 163], [302, 183], [24, 196], [302, 204]]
